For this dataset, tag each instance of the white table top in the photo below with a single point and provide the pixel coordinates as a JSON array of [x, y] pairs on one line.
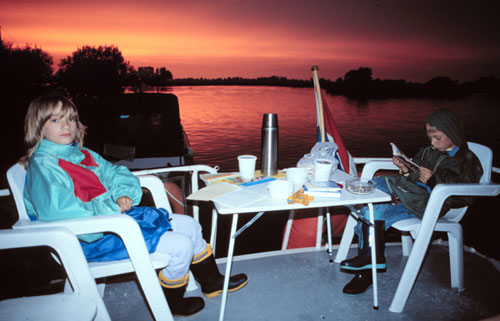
[[256, 198]]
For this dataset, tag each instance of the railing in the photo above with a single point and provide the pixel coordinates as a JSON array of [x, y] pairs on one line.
[[359, 160]]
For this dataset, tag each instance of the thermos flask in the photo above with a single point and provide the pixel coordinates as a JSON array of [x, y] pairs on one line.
[[269, 145]]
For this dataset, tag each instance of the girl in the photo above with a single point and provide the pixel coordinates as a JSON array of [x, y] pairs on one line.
[[65, 180]]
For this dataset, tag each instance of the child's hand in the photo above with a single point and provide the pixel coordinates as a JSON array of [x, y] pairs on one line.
[[425, 174], [124, 203], [399, 164]]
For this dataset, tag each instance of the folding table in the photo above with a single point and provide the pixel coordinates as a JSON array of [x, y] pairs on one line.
[[256, 199]]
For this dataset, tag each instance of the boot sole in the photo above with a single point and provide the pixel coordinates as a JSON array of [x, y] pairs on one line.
[[216, 293], [356, 294], [184, 315], [380, 266]]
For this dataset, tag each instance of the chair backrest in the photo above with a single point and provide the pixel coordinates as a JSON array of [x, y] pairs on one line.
[[16, 176], [485, 156]]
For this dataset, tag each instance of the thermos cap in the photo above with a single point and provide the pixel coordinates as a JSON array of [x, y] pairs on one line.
[[270, 121]]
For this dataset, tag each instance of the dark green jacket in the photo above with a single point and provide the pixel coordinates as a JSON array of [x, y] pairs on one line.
[[462, 167]]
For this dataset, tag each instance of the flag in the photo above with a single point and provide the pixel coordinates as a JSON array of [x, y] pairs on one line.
[[345, 159]]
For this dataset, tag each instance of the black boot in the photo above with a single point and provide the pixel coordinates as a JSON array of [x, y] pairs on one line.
[[364, 259], [207, 274], [181, 306], [359, 284]]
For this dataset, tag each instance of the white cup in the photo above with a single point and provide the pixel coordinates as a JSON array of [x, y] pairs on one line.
[[280, 189], [322, 170], [246, 164], [296, 175]]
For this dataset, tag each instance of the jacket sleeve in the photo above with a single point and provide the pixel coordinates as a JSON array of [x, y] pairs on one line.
[[466, 170], [119, 180]]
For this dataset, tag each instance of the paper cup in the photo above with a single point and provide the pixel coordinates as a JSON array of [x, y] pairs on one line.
[[322, 170], [246, 164], [280, 189], [296, 175]]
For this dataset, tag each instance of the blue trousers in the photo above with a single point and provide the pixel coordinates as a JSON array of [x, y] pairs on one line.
[[384, 211]]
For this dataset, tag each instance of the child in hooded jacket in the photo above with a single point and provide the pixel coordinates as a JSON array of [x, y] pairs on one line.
[[447, 160]]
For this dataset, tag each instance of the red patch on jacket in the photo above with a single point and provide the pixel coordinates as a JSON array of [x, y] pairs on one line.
[[88, 160], [86, 183]]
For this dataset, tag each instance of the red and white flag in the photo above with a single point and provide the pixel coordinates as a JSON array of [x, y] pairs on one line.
[[331, 134]]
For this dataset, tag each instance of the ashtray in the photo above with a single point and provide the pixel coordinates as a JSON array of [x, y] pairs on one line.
[[361, 186]]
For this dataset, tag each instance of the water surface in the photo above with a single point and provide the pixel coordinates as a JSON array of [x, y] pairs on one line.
[[223, 122]]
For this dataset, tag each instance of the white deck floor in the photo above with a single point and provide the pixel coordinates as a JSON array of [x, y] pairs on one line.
[[305, 286]]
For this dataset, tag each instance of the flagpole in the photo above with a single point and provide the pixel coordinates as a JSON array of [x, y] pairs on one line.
[[319, 102]]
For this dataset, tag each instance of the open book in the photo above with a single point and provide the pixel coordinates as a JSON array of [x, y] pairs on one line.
[[414, 167]]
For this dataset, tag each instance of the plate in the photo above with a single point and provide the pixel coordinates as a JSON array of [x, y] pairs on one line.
[[360, 186]]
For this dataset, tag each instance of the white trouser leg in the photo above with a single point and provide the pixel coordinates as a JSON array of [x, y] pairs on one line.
[[181, 244]]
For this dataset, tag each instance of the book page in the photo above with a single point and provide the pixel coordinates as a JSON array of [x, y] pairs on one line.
[[212, 191], [241, 197], [404, 159]]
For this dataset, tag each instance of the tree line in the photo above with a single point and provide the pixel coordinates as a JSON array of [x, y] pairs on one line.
[[95, 72], [87, 72]]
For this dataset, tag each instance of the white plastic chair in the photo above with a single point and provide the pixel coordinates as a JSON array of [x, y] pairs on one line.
[[83, 303], [422, 230], [140, 262]]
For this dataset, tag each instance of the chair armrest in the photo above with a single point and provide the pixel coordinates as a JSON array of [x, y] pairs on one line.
[[364, 160], [195, 169], [442, 191], [122, 225], [115, 223], [372, 166]]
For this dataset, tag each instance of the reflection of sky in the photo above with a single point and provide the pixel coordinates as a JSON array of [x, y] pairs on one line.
[[414, 40]]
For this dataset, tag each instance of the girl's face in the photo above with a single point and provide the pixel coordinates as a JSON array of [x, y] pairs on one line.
[[60, 128], [438, 139]]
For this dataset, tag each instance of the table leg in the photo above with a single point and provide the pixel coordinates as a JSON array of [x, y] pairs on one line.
[[319, 228], [374, 257], [329, 232], [288, 228], [228, 266], [213, 232]]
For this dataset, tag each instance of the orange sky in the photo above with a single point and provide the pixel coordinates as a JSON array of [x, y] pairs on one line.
[[413, 40]]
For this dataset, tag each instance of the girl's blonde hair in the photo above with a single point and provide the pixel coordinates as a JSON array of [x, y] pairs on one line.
[[39, 112]]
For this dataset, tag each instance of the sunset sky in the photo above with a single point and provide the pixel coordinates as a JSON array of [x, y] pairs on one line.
[[398, 39]]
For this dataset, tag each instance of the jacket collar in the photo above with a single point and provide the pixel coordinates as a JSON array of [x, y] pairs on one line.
[[49, 147]]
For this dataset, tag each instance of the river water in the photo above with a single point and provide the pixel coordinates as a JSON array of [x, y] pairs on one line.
[[223, 122]]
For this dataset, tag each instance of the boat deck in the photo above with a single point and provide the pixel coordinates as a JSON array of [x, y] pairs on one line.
[[303, 285]]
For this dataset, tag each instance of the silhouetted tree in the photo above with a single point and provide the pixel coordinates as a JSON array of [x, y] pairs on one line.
[[24, 70], [25, 73], [441, 87], [149, 76], [94, 72], [360, 76], [165, 74], [358, 83]]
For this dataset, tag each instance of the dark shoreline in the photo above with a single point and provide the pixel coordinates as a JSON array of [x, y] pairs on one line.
[[361, 89]]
